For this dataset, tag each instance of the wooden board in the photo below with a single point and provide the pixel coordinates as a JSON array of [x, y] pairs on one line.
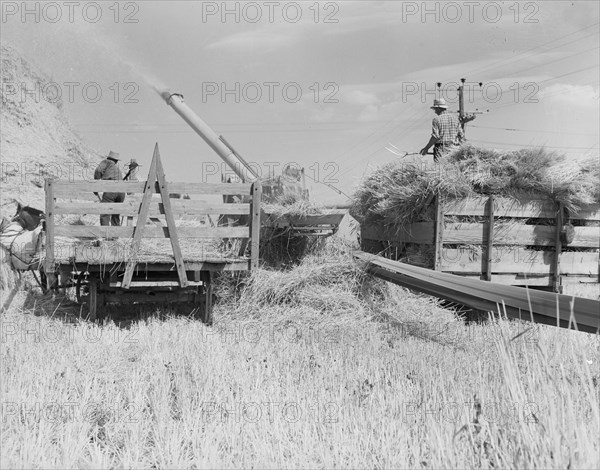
[[474, 234], [131, 208], [223, 264], [171, 227], [49, 258], [255, 223], [514, 279], [515, 234], [149, 186], [508, 259], [71, 188], [507, 207], [95, 231], [535, 281]]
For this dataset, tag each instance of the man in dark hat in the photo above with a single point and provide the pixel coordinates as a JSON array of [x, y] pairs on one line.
[[132, 169], [131, 175], [446, 131], [108, 169]]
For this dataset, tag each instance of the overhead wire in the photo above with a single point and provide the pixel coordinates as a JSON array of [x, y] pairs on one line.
[[525, 53], [528, 130], [528, 51], [503, 105], [329, 185], [530, 145]]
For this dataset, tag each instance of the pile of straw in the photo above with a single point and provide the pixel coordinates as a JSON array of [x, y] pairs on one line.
[[327, 290], [398, 194], [325, 281], [281, 247], [291, 205]]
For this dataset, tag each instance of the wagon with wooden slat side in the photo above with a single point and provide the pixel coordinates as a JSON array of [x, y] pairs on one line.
[[526, 241], [161, 255]]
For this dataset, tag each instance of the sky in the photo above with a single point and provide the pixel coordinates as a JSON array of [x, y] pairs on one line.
[[327, 86]]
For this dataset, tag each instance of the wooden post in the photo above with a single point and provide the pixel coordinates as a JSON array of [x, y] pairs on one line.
[[149, 189], [556, 278], [490, 239], [49, 268], [255, 224], [438, 238], [166, 201]]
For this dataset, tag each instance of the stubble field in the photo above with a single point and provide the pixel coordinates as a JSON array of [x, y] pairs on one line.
[[316, 367]]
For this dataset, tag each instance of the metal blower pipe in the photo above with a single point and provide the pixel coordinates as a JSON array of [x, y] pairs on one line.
[[240, 168]]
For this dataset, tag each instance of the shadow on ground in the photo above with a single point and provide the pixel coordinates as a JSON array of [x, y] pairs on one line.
[[62, 306]]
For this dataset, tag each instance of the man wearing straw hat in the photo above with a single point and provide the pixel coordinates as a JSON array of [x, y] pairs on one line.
[[108, 169], [446, 131]]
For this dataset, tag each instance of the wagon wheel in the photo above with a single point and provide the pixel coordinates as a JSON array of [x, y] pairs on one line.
[[93, 297], [43, 281], [79, 287], [206, 278], [92, 293]]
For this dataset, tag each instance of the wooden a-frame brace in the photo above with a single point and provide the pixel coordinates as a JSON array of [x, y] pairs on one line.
[[155, 183]]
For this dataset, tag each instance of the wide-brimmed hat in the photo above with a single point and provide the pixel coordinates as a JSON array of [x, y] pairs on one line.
[[133, 164], [441, 103], [114, 156]]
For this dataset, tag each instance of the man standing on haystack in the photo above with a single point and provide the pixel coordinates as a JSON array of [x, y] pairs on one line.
[[108, 169], [446, 131]]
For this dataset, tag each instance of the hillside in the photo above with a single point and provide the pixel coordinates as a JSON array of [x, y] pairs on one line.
[[36, 137]]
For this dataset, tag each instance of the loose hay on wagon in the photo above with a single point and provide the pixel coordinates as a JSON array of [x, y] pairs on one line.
[[528, 217]]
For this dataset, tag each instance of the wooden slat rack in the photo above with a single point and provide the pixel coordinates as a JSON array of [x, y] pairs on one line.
[[168, 252]]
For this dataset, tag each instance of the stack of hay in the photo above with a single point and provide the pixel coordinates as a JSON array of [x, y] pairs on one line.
[[281, 247], [398, 194]]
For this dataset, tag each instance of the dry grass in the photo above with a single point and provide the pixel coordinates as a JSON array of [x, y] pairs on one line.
[[291, 205], [8, 276], [282, 248], [317, 367], [398, 194]]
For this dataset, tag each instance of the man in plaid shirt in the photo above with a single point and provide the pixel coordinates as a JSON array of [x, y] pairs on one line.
[[446, 131]]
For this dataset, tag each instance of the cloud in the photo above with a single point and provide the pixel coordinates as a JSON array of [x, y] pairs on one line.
[[359, 97], [585, 96], [322, 114], [254, 39], [369, 113]]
